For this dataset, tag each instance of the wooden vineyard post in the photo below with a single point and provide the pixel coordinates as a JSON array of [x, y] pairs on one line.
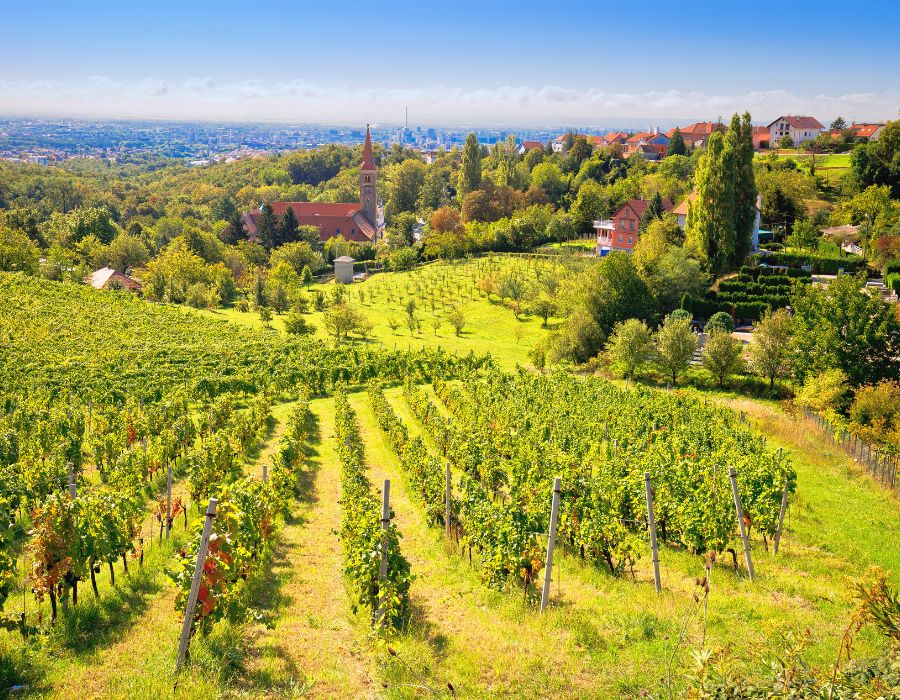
[[784, 502], [73, 491], [382, 573], [447, 492], [265, 475], [185, 638], [551, 543], [169, 502], [651, 523], [740, 517]]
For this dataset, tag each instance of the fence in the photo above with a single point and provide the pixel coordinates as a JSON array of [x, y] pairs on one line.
[[876, 461]]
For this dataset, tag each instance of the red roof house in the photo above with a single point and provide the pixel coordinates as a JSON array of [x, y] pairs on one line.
[[621, 232]]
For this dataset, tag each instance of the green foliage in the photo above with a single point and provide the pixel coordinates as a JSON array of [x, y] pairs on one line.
[[630, 346], [722, 354], [675, 346], [842, 326], [364, 540], [770, 352], [17, 252], [470, 173], [720, 321]]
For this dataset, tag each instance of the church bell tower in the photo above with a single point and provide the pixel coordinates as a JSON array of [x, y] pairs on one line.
[[368, 174]]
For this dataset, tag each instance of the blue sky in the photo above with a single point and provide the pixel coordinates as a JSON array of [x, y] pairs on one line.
[[466, 62]]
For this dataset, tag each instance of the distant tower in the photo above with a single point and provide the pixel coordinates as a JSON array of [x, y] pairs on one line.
[[368, 174]]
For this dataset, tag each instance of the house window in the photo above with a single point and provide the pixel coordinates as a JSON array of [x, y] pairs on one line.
[[352, 231], [630, 240], [620, 239], [631, 224], [338, 230], [621, 223]]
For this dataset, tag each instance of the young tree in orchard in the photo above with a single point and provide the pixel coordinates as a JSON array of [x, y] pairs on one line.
[[676, 146], [265, 226], [770, 350], [675, 346], [722, 355], [457, 319], [710, 223], [470, 173], [630, 346]]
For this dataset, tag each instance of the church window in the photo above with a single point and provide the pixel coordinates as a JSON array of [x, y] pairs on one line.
[[368, 178]]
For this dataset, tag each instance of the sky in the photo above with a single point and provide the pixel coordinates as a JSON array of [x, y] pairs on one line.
[[467, 63]]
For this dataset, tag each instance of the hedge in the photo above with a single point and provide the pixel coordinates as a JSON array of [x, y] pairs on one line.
[[821, 264]]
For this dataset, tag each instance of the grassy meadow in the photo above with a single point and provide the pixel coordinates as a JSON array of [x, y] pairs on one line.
[[491, 326]]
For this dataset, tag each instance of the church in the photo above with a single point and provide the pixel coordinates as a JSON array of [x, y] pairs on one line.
[[361, 221]]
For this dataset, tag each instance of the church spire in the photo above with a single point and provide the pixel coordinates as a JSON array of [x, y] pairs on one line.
[[368, 174], [368, 160]]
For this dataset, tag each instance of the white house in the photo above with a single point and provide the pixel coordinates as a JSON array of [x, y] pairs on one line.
[[800, 129]]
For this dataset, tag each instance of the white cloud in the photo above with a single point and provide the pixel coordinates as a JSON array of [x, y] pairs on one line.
[[300, 100]]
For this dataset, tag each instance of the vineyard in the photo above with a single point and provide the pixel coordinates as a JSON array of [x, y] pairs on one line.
[[287, 518]]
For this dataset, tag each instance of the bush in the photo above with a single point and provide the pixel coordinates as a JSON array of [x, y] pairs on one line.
[[296, 324], [681, 314], [821, 264], [877, 406], [197, 296], [720, 321], [824, 392]]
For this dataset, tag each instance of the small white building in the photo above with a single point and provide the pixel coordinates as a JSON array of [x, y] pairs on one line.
[[800, 129], [343, 269]]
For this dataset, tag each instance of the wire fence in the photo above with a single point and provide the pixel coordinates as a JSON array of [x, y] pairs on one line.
[[877, 462]]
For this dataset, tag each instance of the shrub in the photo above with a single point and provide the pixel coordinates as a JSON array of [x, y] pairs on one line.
[[877, 406], [823, 392], [720, 321], [681, 314]]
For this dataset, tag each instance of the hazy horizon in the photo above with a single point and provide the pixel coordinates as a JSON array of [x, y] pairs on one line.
[[477, 65]]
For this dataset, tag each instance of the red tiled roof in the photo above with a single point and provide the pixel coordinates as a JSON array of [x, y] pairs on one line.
[[368, 160], [760, 131], [640, 136], [640, 205], [528, 145], [332, 219], [865, 130], [697, 130], [800, 122]]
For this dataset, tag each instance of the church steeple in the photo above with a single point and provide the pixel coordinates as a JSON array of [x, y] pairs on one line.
[[368, 174]]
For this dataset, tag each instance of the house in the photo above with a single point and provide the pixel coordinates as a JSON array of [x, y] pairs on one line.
[[526, 146], [697, 134], [343, 269], [800, 129], [108, 278], [361, 221], [612, 138], [621, 231], [681, 212], [761, 138], [558, 145], [651, 145], [866, 132]]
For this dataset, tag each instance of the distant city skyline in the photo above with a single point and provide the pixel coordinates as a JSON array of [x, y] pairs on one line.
[[470, 64]]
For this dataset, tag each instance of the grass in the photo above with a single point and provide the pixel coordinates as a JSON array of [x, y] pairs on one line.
[[490, 326]]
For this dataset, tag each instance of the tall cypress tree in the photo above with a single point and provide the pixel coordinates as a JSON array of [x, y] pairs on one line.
[[470, 175], [676, 145], [744, 189], [654, 209], [265, 226], [710, 226]]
